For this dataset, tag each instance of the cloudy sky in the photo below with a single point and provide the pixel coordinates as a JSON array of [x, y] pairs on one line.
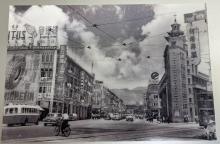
[[120, 44]]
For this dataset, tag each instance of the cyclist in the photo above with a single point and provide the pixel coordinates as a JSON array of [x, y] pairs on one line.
[[65, 119]]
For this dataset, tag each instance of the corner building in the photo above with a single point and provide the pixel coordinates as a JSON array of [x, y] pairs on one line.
[[49, 77], [175, 56]]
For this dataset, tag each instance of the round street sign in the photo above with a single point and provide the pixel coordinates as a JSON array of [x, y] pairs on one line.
[[155, 75]]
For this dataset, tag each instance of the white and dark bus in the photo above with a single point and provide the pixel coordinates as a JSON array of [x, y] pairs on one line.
[[21, 114]]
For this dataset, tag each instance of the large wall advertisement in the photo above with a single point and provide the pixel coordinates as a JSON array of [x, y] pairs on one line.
[[22, 74], [27, 45]]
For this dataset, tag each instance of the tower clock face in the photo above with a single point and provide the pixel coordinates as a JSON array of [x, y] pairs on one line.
[[15, 71]]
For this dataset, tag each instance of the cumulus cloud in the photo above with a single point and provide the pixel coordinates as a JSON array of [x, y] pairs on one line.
[[134, 68], [157, 29], [41, 16]]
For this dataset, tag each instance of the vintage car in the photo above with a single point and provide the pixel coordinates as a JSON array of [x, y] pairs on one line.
[[96, 116], [73, 117], [51, 118], [129, 118], [116, 116]]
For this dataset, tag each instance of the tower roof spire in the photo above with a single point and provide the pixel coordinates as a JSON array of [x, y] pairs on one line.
[[174, 18], [175, 29]]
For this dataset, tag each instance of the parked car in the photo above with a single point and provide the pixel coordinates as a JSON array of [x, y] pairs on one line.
[[129, 118], [73, 117], [95, 116], [116, 116], [107, 117], [210, 130], [141, 117], [52, 118], [111, 115]]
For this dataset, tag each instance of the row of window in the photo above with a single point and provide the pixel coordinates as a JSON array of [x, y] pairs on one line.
[[29, 110], [184, 106], [46, 72], [11, 110], [23, 110], [47, 57], [44, 89]]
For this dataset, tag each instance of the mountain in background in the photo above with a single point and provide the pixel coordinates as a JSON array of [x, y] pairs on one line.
[[131, 97]]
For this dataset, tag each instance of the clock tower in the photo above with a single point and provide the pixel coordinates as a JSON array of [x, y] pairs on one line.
[[175, 59]]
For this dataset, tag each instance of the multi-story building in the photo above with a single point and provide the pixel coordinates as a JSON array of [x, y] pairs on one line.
[[205, 107], [105, 101], [175, 56], [197, 41], [163, 94], [153, 101], [73, 86], [47, 76], [135, 109], [182, 84], [198, 50], [98, 97]]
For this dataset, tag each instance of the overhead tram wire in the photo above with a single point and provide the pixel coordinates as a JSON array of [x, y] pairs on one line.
[[67, 38], [112, 37], [95, 25], [130, 20]]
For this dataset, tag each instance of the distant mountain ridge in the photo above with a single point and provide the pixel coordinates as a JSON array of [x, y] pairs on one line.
[[131, 96]]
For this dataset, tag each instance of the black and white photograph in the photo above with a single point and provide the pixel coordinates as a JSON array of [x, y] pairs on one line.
[[108, 73]]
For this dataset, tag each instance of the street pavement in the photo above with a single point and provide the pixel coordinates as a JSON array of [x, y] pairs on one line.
[[103, 130]]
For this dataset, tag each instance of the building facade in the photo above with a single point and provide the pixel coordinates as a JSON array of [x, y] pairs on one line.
[[47, 76], [206, 110], [104, 101], [153, 101], [175, 56], [197, 41], [182, 84], [135, 109]]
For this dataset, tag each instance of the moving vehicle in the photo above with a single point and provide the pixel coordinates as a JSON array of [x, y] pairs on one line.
[[58, 128], [129, 118], [52, 118], [21, 114], [73, 117]]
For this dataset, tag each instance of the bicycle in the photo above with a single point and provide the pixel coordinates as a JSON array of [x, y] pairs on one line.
[[58, 128]]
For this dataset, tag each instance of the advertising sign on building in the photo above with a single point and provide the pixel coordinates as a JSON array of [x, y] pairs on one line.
[[28, 35], [196, 16], [21, 81], [196, 29]]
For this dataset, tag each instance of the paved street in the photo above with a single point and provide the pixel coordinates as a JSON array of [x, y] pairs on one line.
[[103, 130]]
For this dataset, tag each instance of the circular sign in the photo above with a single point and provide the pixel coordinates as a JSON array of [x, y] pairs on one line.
[[155, 75], [15, 71]]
